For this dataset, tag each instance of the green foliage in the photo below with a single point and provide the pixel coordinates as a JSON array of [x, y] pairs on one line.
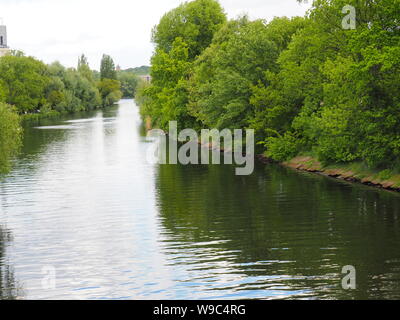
[[10, 135], [361, 85], [283, 148], [337, 89], [107, 68], [168, 95], [195, 22], [84, 69], [38, 91], [385, 174], [3, 92], [110, 91], [33, 87], [129, 82], [108, 86], [140, 71], [226, 73], [72, 90], [23, 81], [306, 85], [180, 37]]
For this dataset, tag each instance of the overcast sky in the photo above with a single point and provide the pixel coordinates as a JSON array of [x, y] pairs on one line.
[[63, 29]]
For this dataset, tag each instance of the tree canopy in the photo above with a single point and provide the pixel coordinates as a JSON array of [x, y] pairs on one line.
[[107, 68], [195, 22], [10, 135], [306, 85], [181, 36], [23, 81], [28, 86]]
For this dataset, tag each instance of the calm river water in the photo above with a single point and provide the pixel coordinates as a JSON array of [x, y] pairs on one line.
[[84, 216]]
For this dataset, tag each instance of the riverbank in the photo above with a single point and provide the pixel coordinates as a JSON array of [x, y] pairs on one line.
[[37, 117], [353, 172]]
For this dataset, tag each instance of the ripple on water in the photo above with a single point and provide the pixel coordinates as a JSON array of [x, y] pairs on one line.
[[83, 200]]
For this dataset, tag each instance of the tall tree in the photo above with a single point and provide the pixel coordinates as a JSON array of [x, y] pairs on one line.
[[84, 68], [195, 22], [181, 36], [107, 68]]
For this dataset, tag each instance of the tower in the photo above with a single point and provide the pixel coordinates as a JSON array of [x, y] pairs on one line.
[[3, 36], [3, 40]]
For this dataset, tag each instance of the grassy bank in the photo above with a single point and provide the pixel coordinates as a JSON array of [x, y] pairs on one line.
[[354, 172]]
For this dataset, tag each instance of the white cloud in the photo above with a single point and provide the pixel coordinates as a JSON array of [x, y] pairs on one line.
[[63, 29]]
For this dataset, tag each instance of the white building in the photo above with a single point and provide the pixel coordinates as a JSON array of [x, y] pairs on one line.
[[4, 49]]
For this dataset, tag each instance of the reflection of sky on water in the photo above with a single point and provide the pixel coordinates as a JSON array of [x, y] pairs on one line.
[[85, 208], [83, 199]]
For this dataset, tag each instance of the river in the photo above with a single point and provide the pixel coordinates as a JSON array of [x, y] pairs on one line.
[[83, 215]]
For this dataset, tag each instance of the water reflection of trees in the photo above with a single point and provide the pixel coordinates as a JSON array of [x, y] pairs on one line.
[[36, 143], [8, 286], [314, 224], [34, 140]]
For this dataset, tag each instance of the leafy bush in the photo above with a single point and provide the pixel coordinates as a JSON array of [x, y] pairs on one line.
[[10, 135], [282, 148]]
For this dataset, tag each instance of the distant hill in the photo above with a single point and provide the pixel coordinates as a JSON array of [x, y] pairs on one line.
[[141, 71]]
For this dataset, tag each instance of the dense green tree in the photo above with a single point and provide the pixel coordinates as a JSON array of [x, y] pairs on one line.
[[55, 93], [84, 68], [72, 90], [108, 86], [129, 82], [83, 89], [181, 35], [107, 68], [336, 93], [23, 81], [309, 85], [32, 86], [167, 94], [110, 91], [10, 135], [363, 84], [295, 89], [195, 22], [29, 86], [224, 75], [3, 92]]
